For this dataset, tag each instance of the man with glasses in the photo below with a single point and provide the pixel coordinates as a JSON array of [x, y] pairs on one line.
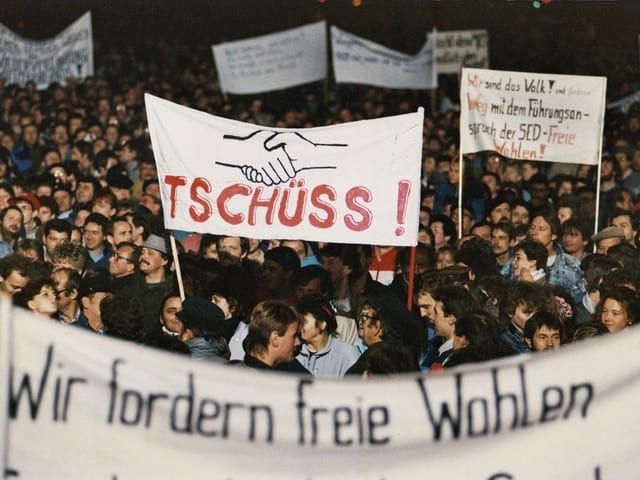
[[66, 282], [124, 270]]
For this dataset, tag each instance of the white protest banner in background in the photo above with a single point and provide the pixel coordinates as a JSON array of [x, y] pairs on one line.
[[69, 54], [532, 116], [357, 60], [461, 48], [85, 406], [356, 182], [272, 62]]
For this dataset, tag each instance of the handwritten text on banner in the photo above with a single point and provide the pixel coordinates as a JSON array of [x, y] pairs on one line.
[[532, 116]]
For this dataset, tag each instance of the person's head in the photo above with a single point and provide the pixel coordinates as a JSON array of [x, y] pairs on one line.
[[451, 303], [15, 271], [318, 319], [280, 265], [475, 329], [125, 260], [607, 238], [624, 219], [544, 228], [467, 217], [38, 295], [67, 286], [501, 238], [443, 229], [575, 235], [119, 231], [231, 250], [29, 205], [618, 309], [105, 203], [86, 189], [70, 255], [299, 246], [520, 213], [171, 324], [94, 288], [55, 232], [153, 257], [96, 227], [595, 268], [64, 199], [312, 279], [273, 333], [11, 225], [520, 301], [539, 189], [529, 256], [123, 316], [30, 248], [543, 331], [482, 230], [445, 257], [499, 210]]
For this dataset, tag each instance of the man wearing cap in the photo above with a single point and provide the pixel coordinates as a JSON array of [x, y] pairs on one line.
[[202, 321], [607, 238], [119, 182], [154, 264], [93, 290], [29, 204]]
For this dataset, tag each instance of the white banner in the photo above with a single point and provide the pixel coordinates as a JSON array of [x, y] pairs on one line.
[[272, 62], [357, 60], [69, 54], [532, 116], [357, 182], [461, 48], [85, 406]]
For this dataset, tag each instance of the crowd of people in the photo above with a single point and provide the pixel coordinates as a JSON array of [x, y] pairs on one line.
[[511, 271]]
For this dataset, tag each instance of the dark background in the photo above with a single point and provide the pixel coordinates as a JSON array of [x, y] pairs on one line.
[[563, 36]]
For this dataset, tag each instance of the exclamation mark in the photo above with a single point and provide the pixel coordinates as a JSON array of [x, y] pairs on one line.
[[404, 187], [542, 149]]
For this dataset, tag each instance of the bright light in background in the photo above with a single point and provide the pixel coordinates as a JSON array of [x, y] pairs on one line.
[[356, 3]]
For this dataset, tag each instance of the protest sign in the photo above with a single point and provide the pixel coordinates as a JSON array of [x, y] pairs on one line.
[[461, 48], [272, 62], [357, 60], [532, 116], [357, 182], [69, 54], [86, 406]]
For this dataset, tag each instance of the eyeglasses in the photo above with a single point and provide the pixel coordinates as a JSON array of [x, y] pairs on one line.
[[120, 257], [364, 316]]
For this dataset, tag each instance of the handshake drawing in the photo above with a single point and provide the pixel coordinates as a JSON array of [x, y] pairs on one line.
[[279, 156]]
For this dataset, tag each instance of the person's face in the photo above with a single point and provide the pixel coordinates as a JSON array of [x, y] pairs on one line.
[[588, 202], [625, 202], [104, 207], [28, 213], [84, 192], [29, 253], [121, 193], [573, 242], [81, 216], [483, 231], [44, 302], [122, 232], [311, 329], [624, 222], [230, 250], [147, 171], [314, 286], [540, 232], [519, 215], [606, 169], [511, 174], [168, 317], [564, 214], [63, 199], [460, 342], [153, 189], [454, 173], [428, 165], [275, 276], [297, 246], [51, 158], [12, 221], [491, 183], [467, 219], [613, 316], [211, 252], [371, 331], [444, 324], [5, 196], [426, 304], [91, 304], [528, 171], [93, 236], [151, 261], [544, 338], [121, 262], [521, 315], [14, 282], [606, 243], [60, 135], [287, 344], [500, 213], [521, 264], [623, 161], [499, 242], [437, 229], [53, 239], [335, 267], [444, 259], [63, 297], [30, 135]]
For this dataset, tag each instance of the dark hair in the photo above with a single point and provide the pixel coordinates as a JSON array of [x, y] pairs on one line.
[[456, 300], [549, 216], [57, 225], [319, 309], [531, 295], [476, 254], [534, 251], [595, 267], [542, 319], [624, 296], [579, 225], [123, 315], [389, 357], [268, 317], [31, 289], [284, 256], [312, 272]]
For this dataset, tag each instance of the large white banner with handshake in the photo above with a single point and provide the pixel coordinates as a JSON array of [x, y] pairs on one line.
[[69, 54], [357, 182], [76, 405]]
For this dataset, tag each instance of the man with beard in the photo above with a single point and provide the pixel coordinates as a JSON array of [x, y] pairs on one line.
[[501, 242], [11, 228], [543, 332]]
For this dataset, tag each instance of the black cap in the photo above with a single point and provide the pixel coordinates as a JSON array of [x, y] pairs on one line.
[[200, 313], [99, 283], [118, 177]]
